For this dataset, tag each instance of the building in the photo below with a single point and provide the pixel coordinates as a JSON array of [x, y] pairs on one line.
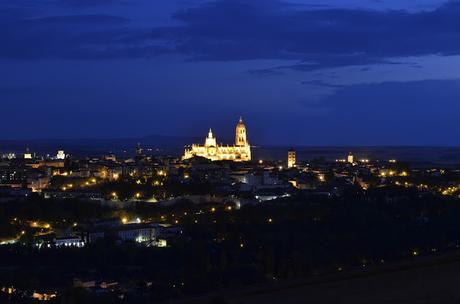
[[350, 158], [291, 158], [241, 151], [136, 232], [72, 241], [60, 155], [127, 232], [28, 154]]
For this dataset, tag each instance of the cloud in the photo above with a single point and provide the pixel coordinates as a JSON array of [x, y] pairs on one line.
[[323, 84], [88, 2], [266, 72], [390, 113], [317, 38], [72, 37], [403, 98], [234, 30]]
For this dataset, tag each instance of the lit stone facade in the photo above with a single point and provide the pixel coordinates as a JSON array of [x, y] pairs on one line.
[[291, 158], [241, 151], [350, 158]]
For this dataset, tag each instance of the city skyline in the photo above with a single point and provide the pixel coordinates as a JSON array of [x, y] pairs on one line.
[[229, 151], [304, 73]]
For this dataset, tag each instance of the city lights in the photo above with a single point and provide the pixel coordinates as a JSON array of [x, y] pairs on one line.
[[128, 174]]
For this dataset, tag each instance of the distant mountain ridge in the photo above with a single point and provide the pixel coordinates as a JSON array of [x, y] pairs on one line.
[[85, 146], [174, 146]]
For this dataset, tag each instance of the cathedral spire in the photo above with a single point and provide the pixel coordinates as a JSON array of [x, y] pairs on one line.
[[210, 140]]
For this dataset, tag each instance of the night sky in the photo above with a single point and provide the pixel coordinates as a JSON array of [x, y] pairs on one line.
[[300, 72]]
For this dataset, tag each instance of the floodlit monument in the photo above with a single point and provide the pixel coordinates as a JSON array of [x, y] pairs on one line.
[[291, 162], [241, 151]]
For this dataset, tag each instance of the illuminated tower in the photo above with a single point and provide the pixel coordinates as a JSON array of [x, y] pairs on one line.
[[60, 155], [240, 139], [291, 158], [28, 155], [210, 140], [211, 146], [350, 158]]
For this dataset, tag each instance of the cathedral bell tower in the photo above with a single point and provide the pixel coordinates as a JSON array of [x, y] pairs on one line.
[[240, 140]]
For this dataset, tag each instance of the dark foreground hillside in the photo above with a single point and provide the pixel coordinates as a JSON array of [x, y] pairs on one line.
[[425, 281]]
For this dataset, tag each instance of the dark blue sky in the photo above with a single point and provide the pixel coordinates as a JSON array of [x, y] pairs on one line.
[[301, 72]]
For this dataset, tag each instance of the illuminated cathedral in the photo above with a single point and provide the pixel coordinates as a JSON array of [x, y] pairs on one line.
[[241, 151]]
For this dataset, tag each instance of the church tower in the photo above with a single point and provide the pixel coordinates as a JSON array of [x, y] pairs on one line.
[[210, 140], [240, 140], [291, 158]]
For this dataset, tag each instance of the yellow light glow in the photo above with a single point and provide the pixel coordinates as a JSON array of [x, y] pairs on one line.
[[241, 151], [124, 220]]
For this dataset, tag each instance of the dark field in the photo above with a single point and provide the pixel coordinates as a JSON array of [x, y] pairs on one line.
[[424, 281]]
